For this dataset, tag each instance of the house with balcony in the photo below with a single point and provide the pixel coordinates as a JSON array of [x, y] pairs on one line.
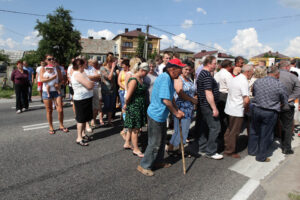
[[127, 42], [183, 54]]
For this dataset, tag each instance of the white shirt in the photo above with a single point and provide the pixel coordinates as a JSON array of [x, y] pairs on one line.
[[161, 68], [294, 69], [52, 82], [91, 71], [38, 69], [80, 92], [238, 88], [223, 77], [69, 75]]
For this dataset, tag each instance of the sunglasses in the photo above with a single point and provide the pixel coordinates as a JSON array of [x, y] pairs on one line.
[[49, 59]]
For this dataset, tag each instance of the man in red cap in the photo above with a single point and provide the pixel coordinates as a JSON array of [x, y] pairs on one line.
[[158, 110]]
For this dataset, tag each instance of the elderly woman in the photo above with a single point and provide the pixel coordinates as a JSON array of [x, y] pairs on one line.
[[108, 88], [20, 79], [259, 72], [83, 99], [185, 100], [135, 107], [54, 96], [150, 78]]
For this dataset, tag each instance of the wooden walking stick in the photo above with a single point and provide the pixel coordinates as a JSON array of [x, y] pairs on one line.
[[182, 147]]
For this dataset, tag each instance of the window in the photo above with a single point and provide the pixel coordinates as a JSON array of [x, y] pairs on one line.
[[128, 44], [150, 46]]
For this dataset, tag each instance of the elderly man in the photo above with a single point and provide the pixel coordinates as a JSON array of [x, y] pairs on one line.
[[238, 62], [208, 97], [292, 85], [161, 104], [269, 93], [237, 102]]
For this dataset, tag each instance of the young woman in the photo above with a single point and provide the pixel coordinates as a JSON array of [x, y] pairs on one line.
[[54, 96], [20, 79], [135, 108], [185, 100], [83, 99]]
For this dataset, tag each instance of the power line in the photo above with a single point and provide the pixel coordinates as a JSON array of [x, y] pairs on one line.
[[77, 19], [236, 21]]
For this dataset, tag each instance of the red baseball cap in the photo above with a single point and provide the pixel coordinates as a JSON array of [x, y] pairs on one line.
[[177, 62]]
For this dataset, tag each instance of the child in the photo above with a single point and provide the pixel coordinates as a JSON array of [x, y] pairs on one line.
[[53, 83]]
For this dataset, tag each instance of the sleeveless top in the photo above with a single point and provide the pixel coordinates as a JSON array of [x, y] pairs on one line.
[[52, 89], [123, 75], [80, 92], [187, 107]]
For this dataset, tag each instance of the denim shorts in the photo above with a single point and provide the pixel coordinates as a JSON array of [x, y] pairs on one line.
[[53, 95]]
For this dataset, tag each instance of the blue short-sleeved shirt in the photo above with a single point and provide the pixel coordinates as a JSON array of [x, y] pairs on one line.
[[30, 72], [163, 88]]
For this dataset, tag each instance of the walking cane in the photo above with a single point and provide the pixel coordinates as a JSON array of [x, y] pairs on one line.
[[182, 148]]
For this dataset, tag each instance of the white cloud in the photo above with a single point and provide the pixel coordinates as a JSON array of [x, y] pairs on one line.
[[31, 40], [165, 42], [246, 43], [187, 24], [7, 43], [219, 47], [290, 3], [293, 49], [181, 42], [201, 10], [103, 33]]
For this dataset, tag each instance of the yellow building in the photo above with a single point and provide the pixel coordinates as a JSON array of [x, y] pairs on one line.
[[270, 58], [127, 43]]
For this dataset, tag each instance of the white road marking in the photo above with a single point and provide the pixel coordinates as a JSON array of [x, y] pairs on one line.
[[31, 106], [42, 125], [257, 171]]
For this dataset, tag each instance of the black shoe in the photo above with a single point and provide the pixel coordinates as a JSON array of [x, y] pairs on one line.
[[287, 151]]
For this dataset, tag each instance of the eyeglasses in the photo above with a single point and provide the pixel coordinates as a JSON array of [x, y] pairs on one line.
[[49, 59]]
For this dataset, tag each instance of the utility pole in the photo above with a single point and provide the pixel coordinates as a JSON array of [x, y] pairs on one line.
[[146, 43]]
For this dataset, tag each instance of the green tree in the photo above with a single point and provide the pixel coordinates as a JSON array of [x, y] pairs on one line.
[[4, 57], [59, 37], [140, 47], [32, 58], [152, 55]]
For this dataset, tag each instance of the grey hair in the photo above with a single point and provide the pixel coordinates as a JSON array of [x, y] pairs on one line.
[[284, 63], [247, 68], [143, 66], [151, 61], [273, 69]]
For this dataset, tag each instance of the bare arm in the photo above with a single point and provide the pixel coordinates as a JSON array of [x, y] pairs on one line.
[[210, 99], [45, 80], [178, 85], [84, 81], [111, 74], [178, 113], [131, 87], [119, 81], [128, 75]]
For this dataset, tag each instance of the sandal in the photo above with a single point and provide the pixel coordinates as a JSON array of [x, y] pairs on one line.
[[140, 154], [82, 143], [65, 130], [127, 147], [51, 132], [88, 138]]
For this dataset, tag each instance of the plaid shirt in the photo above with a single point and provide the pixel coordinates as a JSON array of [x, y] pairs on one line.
[[269, 93]]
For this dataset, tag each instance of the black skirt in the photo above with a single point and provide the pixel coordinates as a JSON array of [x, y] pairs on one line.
[[84, 110]]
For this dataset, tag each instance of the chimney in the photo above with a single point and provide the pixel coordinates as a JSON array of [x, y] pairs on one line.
[[203, 51], [139, 29], [91, 37], [126, 30], [103, 38]]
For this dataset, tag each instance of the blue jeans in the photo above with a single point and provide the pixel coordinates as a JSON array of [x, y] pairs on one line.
[[185, 124], [210, 128], [122, 98], [157, 132], [261, 132]]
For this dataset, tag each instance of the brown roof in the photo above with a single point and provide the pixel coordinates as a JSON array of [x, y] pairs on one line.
[[224, 55], [271, 54], [136, 33], [97, 46], [203, 53], [176, 50]]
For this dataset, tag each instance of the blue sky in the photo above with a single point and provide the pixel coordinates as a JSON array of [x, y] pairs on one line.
[[181, 17]]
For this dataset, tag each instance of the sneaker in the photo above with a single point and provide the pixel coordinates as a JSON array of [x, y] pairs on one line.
[[216, 156], [18, 111], [287, 151], [201, 153], [146, 172], [23, 109]]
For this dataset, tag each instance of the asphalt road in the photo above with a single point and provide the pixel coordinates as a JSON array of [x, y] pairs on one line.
[[36, 165]]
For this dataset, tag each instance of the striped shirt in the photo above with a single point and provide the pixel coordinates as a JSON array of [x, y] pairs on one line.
[[206, 82]]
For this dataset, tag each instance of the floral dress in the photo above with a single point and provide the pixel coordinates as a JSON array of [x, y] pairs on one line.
[[187, 107], [136, 108]]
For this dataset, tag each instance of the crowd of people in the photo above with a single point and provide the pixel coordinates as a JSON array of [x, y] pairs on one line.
[[157, 93]]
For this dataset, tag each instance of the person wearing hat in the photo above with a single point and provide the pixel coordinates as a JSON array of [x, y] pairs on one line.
[[161, 104]]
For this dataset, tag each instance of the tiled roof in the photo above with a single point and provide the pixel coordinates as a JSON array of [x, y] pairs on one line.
[[203, 53], [270, 54], [224, 55], [176, 50], [97, 46], [136, 33]]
